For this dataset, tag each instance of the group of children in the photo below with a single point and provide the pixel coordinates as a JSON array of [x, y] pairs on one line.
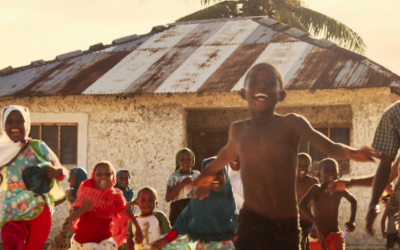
[[203, 211]]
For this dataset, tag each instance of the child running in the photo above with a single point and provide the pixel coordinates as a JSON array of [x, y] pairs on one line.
[[303, 184], [183, 175], [326, 209], [62, 241], [153, 223], [211, 222], [98, 202], [26, 220], [120, 227], [267, 145]]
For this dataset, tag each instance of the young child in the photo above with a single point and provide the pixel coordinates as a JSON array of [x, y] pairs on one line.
[[326, 209], [391, 234], [267, 145], [97, 203], [62, 241], [236, 181], [303, 184], [154, 224], [26, 220], [183, 175], [211, 222], [120, 227]]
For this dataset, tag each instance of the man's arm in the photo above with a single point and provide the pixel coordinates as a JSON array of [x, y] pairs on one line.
[[335, 150], [383, 222], [350, 225], [226, 155], [380, 182]]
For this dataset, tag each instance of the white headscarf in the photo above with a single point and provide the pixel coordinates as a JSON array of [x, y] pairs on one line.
[[8, 148]]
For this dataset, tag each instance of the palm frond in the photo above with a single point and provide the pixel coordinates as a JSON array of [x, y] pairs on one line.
[[224, 9], [319, 24]]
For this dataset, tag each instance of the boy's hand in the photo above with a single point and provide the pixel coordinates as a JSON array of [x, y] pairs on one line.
[[363, 154], [351, 226], [53, 173], [203, 186], [159, 244], [384, 235], [87, 205], [373, 211], [138, 236]]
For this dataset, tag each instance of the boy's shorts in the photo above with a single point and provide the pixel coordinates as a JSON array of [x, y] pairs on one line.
[[333, 241], [256, 232], [391, 240]]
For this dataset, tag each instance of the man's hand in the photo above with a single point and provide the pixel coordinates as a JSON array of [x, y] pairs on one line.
[[138, 236], [203, 186], [53, 173], [87, 205], [363, 154], [338, 185], [371, 216], [159, 244], [350, 226]]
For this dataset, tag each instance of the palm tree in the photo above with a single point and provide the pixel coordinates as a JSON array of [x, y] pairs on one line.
[[292, 12]]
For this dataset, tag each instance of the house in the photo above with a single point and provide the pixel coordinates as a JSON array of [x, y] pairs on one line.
[[139, 100]]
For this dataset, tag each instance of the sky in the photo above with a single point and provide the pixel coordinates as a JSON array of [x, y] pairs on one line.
[[42, 29]]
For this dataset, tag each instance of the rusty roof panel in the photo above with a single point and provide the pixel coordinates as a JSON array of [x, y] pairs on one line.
[[233, 68], [122, 75], [130, 46], [16, 83], [261, 34], [330, 73], [168, 38], [282, 55], [151, 79], [232, 33], [196, 69], [200, 34]]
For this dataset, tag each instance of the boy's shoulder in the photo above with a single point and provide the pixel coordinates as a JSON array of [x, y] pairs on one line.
[[312, 179]]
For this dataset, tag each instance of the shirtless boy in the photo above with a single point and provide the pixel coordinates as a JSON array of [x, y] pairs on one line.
[[326, 208], [267, 145], [303, 184]]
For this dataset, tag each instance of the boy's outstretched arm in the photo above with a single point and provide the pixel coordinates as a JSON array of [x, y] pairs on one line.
[[335, 150], [226, 155], [350, 225], [138, 232]]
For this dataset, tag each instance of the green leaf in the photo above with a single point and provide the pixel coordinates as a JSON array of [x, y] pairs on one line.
[[319, 24], [224, 9]]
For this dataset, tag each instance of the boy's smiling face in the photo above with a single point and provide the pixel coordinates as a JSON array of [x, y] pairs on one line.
[[147, 202], [123, 179], [303, 166], [329, 171], [263, 88], [103, 176], [15, 126]]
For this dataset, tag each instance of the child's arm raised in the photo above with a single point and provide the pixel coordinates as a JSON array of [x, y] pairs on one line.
[[138, 232], [335, 150], [86, 206], [226, 155], [350, 225], [383, 222]]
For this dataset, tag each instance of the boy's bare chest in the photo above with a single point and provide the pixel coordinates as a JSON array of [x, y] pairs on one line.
[[327, 199]]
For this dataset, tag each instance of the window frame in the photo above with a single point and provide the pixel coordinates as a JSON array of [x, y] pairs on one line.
[[59, 137]]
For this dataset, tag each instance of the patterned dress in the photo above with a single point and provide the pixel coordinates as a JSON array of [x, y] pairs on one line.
[[62, 241]]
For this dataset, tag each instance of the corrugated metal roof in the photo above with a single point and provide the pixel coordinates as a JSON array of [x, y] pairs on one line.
[[199, 56]]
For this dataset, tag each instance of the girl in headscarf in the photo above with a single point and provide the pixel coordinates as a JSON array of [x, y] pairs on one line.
[[120, 228], [183, 175], [62, 241], [97, 204], [210, 222], [26, 219]]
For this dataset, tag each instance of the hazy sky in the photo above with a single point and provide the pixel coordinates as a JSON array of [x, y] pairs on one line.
[[42, 29]]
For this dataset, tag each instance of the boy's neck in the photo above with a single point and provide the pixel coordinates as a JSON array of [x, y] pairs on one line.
[[185, 171], [301, 179], [147, 214], [262, 117]]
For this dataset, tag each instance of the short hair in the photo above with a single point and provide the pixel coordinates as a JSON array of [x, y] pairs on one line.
[[105, 163], [305, 155], [147, 188], [270, 66], [328, 160]]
